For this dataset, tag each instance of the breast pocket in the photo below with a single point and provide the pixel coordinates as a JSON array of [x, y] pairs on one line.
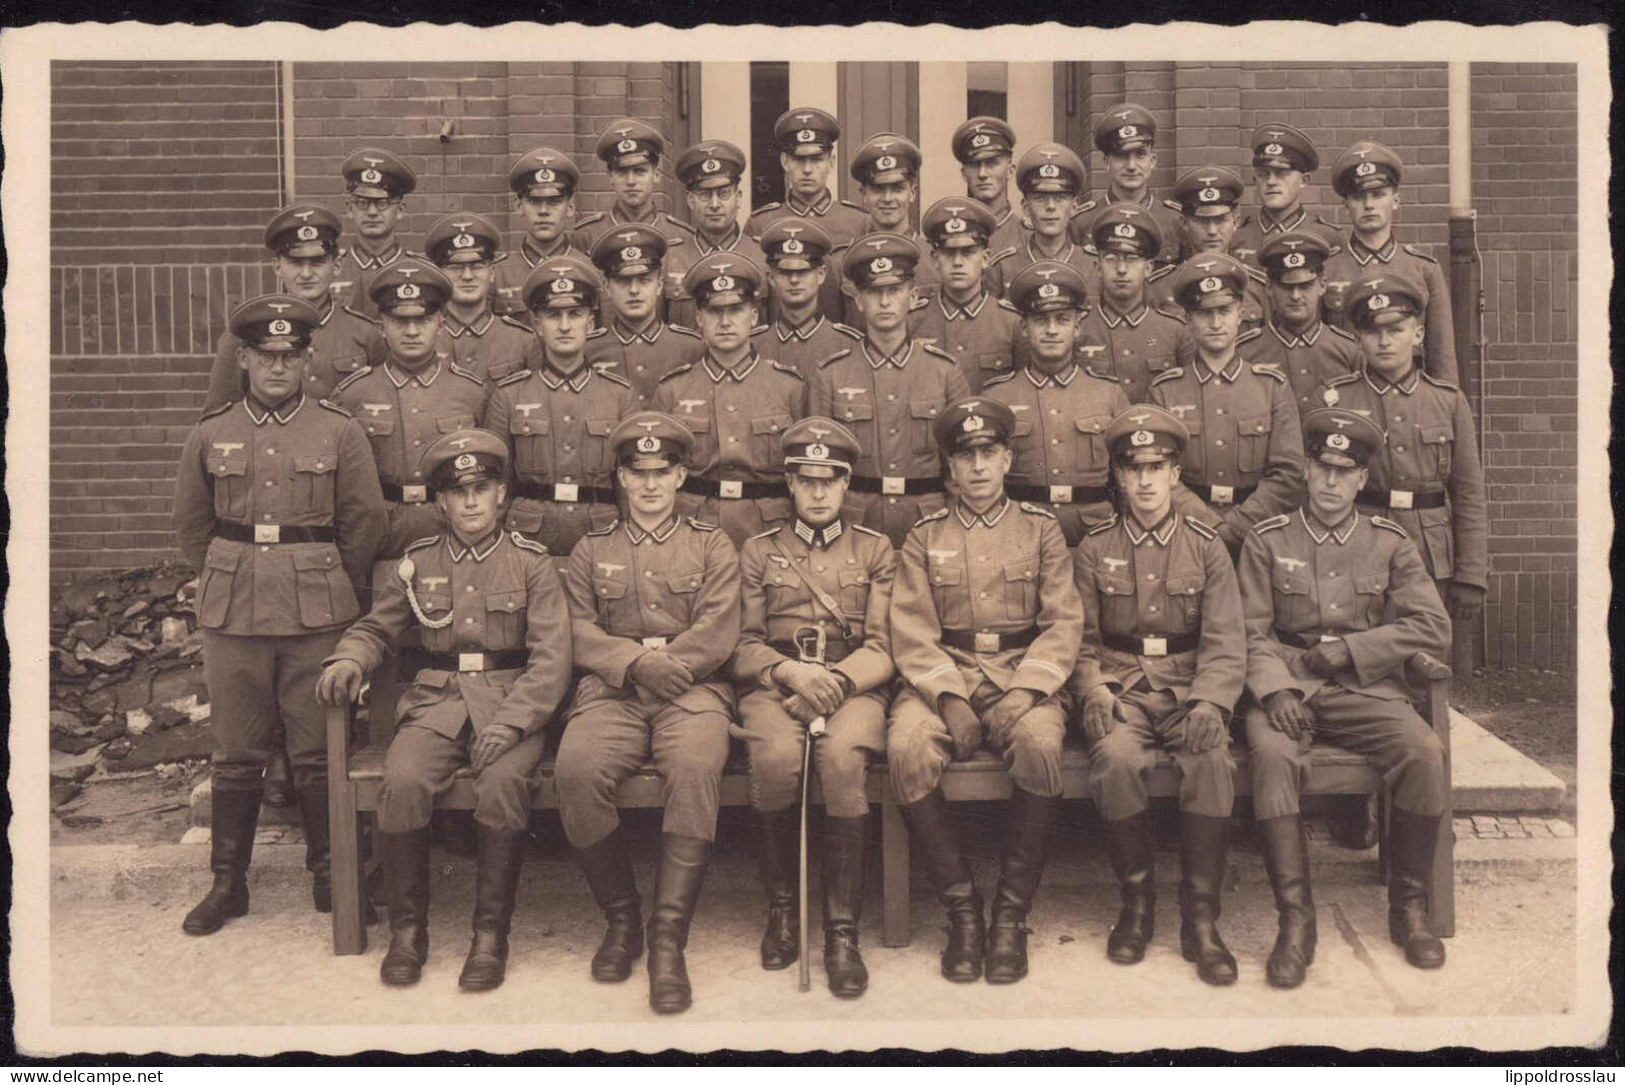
[[532, 444], [1119, 605], [1371, 593], [1089, 443], [325, 595], [949, 592], [380, 428], [764, 433], [1185, 601], [610, 595], [924, 414], [696, 421], [214, 586], [1295, 607], [855, 412], [313, 483], [992, 362], [683, 589], [854, 594], [1440, 443], [229, 479], [450, 423], [596, 454], [346, 364], [1021, 588], [1252, 442], [505, 620]]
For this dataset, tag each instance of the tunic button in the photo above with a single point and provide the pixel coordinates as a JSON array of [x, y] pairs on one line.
[[648, 573], [1399, 418], [1054, 410], [567, 418], [414, 410], [894, 431], [1334, 606], [603, 591], [890, 397], [469, 588], [269, 483], [1153, 610], [468, 621], [265, 549], [1399, 448], [981, 558], [891, 467], [1054, 470], [981, 595], [267, 516], [1054, 440], [654, 606], [732, 408], [1218, 410], [733, 440], [1219, 443], [417, 444], [1151, 577], [320, 466], [510, 604], [960, 348], [1332, 574], [272, 451], [417, 474], [569, 448]]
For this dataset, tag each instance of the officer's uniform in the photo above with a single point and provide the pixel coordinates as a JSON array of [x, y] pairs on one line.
[[737, 415], [340, 344], [373, 174], [557, 422], [984, 336], [1280, 146], [541, 171], [887, 158], [712, 164], [403, 411], [794, 244], [630, 142], [801, 131], [1361, 582], [1369, 165], [1047, 168], [890, 402], [1120, 129], [1245, 457], [1201, 193], [1128, 348], [487, 346], [278, 508], [979, 138], [646, 355], [1311, 356]]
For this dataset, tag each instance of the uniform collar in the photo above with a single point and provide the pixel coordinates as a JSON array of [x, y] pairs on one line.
[[648, 219], [1113, 318], [706, 247], [1044, 380], [1065, 256], [259, 413], [819, 538], [987, 519], [1320, 533], [659, 534], [477, 327], [1142, 200], [899, 360], [817, 207], [803, 331], [1160, 534], [556, 378], [1272, 225], [1009, 209], [399, 377], [479, 551], [718, 371], [1363, 255], [367, 262], [649, 334], [327, 308], [533, 256], [1382, 385], [953, 310], [1227, 374], [1302, 339]]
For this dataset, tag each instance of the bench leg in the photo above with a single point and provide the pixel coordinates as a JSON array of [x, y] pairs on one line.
[[1442, 902], [894, 877], [349, 926], [1385, 853]]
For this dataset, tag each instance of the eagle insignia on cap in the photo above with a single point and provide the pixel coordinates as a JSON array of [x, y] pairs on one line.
[[408, 291], [307, 233], [1049, 169], [648, 443], [1209, 195], [880, 265], [279, 306], [1141, 438], [1293, 259], [817, 452], [280, 327], [371, 177], [1128, 131], [722, 283], [626, 146], [973, 423], [710, 165], [631, 252], [1049, 290], [1273, 149], [544, 176], [463, 241], [1366, 169], [792, 245], [1209, 284], [955, 226], [806, 135], [1124, 229], [563, 286], [981, 139], [1378, 301], [1339, 441], [464, 462]]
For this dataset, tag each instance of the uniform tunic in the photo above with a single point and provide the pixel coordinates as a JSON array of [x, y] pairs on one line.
[[854, 567], [646, 357], [679, 305], [557, 426], [510, 271], [270, 611], [1309, 359], [1074, 255], [1129, 348], [1354, 260], [927, 280], [842, 220], [501, 594], [983, 338], [1255, 307], [676, 590], [806, 346], [1174, 580], [1362, 582], [490, 347], [1166, 213], [1006, 571], [890, 405], [357, 268], [344, 342], [1254, 230]]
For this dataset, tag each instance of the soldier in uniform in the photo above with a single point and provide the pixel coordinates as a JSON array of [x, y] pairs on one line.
[[304, 243], [654, 617], [735, 402], [1163, 661], [1126, 136], [1295, 340], [375, 184], [985, 623], [630, 150], [557, 412], [977, 328], [1126, 339], [815, 571], [711, 173], [638, 345], [277, 507], [1207, 197], [1367, 176], [1245, 457], [494, 664], [797, 252], [806, 139], [1337, 603], [888, 389], [465, 246], [543, 181], [1283, 159], [887, 170], [1052, 180], [985, 148]]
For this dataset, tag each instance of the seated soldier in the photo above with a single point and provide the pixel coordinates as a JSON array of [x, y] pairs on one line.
[[1336, 604], [1163, 660], [816, 573], [495, 663]]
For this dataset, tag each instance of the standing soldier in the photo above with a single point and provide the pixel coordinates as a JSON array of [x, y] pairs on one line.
[[277, 507], [304, 244], [985, 625], [1126, 137], [557, 412], [1295, 340], [711, 172], [985, 147], [980, 331], [464, 246], [1367, 176], [639, 345], [887, 170], [1126, 339], [375, 184], [806, 140], [889, 390], [543, 181], [495, 663], [1163, 661], [1207, 197], [1283, 159], [735, 402], [821, 572], [1245, 456], [654, 617], [630, 149], [1336, 604], [1052, 181], [797, 253]]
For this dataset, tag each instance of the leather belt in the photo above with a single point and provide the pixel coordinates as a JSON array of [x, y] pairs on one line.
[[1172, 645], [1304, 640], [413, 660], [897, 484], [1401, 499], [567, 493], [1056, 495], [834, 650], [732, 490], [407, 495], [266, 534], [1222, 495], [988, 643]]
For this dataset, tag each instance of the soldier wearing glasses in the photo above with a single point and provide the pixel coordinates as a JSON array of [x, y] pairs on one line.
[[375, 185], [710, 173]]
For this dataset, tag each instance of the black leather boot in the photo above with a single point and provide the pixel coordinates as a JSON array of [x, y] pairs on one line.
[[1201, 858], [929, 828], [318, 857], [1286, 857], [496, 882], [1414, 840], [682, 871], [843, 904], [1355, 822], [231, 845], [1129, 846], [279, 786], [778, 845], [1026, 834], [405, 858], [615, 888]]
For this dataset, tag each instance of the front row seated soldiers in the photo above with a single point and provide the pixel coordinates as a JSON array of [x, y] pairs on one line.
[[979, 330], [1127, 339], [638, 346], [889, 390], [815, 572], [734, 401], [493, 666], [797, 253], [465, 246], [1163, 661], [654, 617], [1337, 602], [543, 182], [557, 413], [985, 623], [1245, 455], [277, 507], [1295, 340]]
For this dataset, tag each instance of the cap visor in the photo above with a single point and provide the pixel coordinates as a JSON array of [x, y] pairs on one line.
[[626, 161], [808, 469], [1365, 184], [981, 153], [1383, 318], [1215, 300], [974, 440], [637, 267], [548, 191], [1335, 459], [1137, 141], [1297, 275], [279, 344], [887, 279], [1062, 187], [1152, 454], [564, 301], [411, 308], [463, 256], [1279, 163], [303, 249], [1117, 244], [716, 180], [455, 479], [1211, 210], [805, 150], [887, 177], [372, 192], [655, 462], [1051, 305], [792, 263], [960, 241]]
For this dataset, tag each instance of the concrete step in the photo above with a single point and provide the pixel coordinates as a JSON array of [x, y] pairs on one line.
[[1490, 777]]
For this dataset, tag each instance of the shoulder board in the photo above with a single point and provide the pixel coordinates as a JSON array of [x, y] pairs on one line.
[[932, 348], [1175, 205], [222, 409], [1265, 525], [1165, 269], [681, 225], [507, 318], [335, 408], [1323, 221], [419, 544], [606, 529], [1169, 310], [682, 329], [837, 356], [596, 332], [677, 372], [1256, 275], [846, 329], [1085, 207], [766, 207], [673, 242], [928, 517], [699, 525], [607, 371], [1104, 526], [758, 330], [588, 219], [527, 544], [999, 378], [782, 368], [416, 255], [919, 303], [1200, 528], [1419, 254], [1249, 335], [1006, 305], [352, 378], [1383, 521], [1002, 254], [855, 206], [499, 257], [1036, 510], [1173, 372], [1264, 369], [1245, 220], [466, 373], [1346, 378], [515, 377], [867, 531], [764, 534], [1438, 382], [358, 316], [1089, 247], [1344, 332]]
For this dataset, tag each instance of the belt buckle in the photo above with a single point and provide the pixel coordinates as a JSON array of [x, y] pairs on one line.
[[1154, 646], [1223, 495], [568, 492], [1400, 499], [892, 484], [1060, 495], [414, 495], [987, 642], [267, 533], [653, 642], [732, 489], [470, 661]]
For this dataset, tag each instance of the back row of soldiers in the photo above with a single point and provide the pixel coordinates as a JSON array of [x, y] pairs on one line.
[[561, 436]]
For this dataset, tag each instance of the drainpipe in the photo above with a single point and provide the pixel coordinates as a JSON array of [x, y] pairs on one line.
[[1467, 303], [286, 108]]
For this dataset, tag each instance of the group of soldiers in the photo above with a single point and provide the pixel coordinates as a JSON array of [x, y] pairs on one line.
[[1157, 474]]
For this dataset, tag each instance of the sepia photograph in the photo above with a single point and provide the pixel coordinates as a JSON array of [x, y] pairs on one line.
[[808, 539]]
